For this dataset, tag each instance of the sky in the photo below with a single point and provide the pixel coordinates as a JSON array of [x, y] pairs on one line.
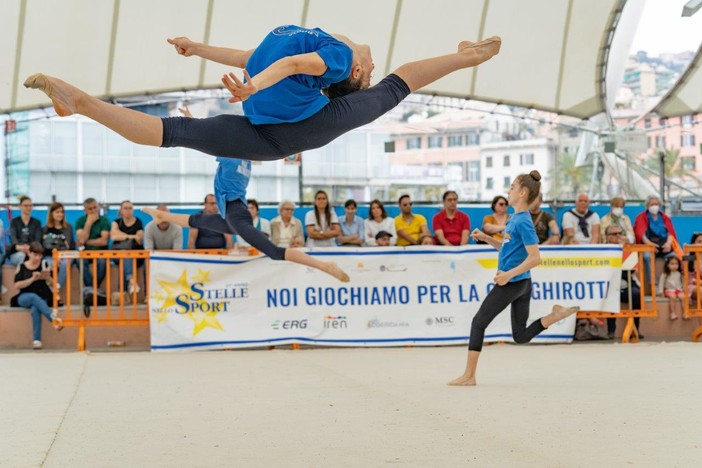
[[663, 29]]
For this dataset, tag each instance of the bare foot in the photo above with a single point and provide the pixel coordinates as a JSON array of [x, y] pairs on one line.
[[489, 47], [61, 94], [154, 213], [463, 381], [334, 270], [557, 314]]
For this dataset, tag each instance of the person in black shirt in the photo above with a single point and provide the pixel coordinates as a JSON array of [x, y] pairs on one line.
[[127, 233], [34, 293], [23, 230], [57, 234]]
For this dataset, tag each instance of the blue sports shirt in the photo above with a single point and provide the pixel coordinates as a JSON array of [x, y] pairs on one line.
[[230, 181], [296, 97], [518, 233]]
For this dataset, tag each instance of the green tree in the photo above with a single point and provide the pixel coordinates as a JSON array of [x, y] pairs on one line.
[[673, 163], [569, 180]]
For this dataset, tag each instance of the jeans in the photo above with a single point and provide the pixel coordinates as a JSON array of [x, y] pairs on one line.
[[62, 270], [128, 269], [37, 307], [18, 258], [88, 271]]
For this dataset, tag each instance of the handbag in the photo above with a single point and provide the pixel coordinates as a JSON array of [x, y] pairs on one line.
[[126, 244]]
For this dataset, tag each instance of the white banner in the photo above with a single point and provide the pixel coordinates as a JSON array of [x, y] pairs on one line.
[[411, 296]]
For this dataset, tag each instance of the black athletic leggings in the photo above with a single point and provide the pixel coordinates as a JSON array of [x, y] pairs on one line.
[[234, 136], [238, 221], [518, 294]]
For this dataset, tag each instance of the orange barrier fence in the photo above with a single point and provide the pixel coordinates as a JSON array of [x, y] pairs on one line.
[[630, 332], [693, 286]]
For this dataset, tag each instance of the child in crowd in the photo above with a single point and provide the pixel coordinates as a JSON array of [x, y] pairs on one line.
[[670, 285]]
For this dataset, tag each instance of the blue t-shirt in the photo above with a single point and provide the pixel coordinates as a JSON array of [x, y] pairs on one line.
[[296, 97], [518, 233], [230, 181]]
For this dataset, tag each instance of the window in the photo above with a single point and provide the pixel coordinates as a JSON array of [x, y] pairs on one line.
[[687, 139], [507, 182], [472, 171], [526, 159], [686, 120], [489, 183], [414, 143], [647, 122], [455, 140], [660, 141], [649, 142], [488, 161], [473, 139], [436, 141], [505, 160], [688, 163]]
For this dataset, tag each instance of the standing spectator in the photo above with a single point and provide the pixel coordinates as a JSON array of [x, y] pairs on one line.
[[205, 238], [58, 234], [352, 226], [322, 223], [34, 293], [654, 227], [23, 231], [544, 223], [615, 235], [494, 224], [616, 216], [127, 233], [93, 233], [259, 223], [378, 221], [451, 226], [286, 230], [163, 235], [581, 225], [409, 226]]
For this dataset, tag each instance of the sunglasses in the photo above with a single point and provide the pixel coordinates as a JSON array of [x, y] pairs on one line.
[[407, 204]]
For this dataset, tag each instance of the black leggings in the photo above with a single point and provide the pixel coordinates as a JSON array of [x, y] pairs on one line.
[[519, 295], [234, 136], [240, 222]]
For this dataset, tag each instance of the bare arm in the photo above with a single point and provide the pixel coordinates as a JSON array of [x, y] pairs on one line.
[[464, 237], [479, 235], [192, 237], [595, 233], [230, 241], [302, 64], [101, 241], [224, 55], [440, 237], [555, 234], [532, 260], [403, 233]]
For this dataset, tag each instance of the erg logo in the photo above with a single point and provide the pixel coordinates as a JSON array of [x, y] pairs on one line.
[[289, 324]]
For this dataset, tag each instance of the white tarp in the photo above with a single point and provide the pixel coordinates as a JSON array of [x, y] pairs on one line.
[[416, 296]]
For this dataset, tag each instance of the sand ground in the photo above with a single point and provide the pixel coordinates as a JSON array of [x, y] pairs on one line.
[[559, 405]]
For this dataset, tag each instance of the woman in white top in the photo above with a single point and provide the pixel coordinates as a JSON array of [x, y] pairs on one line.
[[322, 223], [378, 221]]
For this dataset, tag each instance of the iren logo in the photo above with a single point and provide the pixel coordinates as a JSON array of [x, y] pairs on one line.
[[335, 322]]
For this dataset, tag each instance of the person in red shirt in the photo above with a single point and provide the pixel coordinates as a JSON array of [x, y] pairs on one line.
[[451, 226]]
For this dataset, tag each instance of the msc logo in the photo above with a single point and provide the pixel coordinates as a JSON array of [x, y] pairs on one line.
[[440, 321], [289, 324]]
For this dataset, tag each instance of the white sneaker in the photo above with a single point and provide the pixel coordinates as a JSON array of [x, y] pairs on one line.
[[4, 289], [36, 344], [132, 286]]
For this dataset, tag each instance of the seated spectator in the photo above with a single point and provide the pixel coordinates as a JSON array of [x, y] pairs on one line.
[[205, 238], [654, 227], [352, 226], [426, 239], [23, 231], [286, 230], [615, 235], [408, 225], [378, 221], [322, 223], [259, 223], [693, 266], [494, 224], [616, 216], [581, 225], [92, 233], [544, 223], [58, 234], [34, 293], [382, 239], [451, 226], [163, 235], [670, 285], [127, 233]]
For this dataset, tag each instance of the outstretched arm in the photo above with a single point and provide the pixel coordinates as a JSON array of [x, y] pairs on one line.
[[224, 55], [301, 64]]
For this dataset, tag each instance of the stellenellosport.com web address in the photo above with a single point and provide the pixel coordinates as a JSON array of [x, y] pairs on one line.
[[577, 262]]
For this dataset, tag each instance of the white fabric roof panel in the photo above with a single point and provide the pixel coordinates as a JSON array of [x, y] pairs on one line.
[[686, 97], [549, 60]]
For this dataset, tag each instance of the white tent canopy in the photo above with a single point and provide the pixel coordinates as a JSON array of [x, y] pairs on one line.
[[554, 57]]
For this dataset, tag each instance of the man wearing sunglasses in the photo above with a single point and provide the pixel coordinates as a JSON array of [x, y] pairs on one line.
[[410, 227]]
